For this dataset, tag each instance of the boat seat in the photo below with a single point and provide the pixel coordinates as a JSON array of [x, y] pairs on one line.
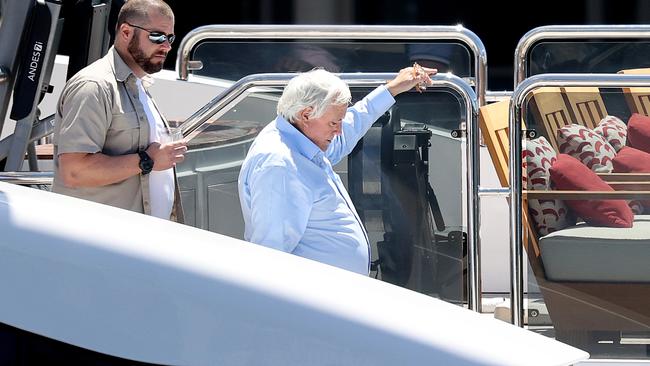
[[615, 254], [591, 278], [562, 251], [638, 99], [553, 108]]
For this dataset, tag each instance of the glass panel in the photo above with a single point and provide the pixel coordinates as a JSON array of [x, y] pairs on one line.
[[588, 252], [208, 175], [411, 209], [407, 193], [234, 60], [587, 56]]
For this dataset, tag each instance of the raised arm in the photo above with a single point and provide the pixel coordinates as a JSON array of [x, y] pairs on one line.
[[365, 112], [409, 78]]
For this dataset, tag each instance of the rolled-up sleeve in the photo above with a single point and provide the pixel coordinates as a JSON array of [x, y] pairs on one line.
[[85, 117], [280, 208], [357, 121]]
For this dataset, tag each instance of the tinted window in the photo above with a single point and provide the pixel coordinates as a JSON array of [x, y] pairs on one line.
[[234, 60]]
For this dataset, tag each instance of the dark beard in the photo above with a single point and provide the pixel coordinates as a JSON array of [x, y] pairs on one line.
[[141, 59]]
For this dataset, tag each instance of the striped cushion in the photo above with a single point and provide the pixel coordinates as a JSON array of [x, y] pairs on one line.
[[548, 215], [613, 130], [587, 146]]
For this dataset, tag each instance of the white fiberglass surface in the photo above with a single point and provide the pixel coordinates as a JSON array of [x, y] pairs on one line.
[[147, 289]]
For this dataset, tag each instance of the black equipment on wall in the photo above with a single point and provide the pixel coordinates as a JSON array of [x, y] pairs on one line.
[[87, 32], [32, 61], [389, 184]]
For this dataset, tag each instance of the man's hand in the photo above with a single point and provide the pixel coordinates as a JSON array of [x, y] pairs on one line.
[[409, 78], [168, 155]]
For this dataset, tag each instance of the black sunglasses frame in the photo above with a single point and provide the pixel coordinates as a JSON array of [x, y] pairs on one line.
[[155, 36]]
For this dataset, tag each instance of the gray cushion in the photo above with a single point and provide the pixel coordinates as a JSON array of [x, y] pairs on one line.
[[598, 254]]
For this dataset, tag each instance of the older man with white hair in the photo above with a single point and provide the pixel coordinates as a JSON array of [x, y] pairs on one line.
[[291, 198]]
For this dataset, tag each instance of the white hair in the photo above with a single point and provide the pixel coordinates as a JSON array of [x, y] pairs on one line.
[[317, 89]]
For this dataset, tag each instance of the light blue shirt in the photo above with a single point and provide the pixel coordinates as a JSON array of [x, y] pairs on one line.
[[293, 201]]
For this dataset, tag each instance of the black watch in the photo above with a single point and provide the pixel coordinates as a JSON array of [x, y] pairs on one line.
[[146, 162]]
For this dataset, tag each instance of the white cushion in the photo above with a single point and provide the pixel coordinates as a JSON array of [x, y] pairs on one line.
[[598, 254]]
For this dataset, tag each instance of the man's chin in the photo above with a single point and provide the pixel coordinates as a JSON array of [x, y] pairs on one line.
[[153, 68]]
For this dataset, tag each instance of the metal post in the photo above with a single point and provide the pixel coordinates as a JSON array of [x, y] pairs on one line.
[[473, 208], [516, 260]]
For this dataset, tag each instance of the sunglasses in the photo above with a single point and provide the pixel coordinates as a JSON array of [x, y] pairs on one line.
[[155, 36]]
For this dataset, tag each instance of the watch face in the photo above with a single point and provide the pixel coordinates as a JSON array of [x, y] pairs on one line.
[[146, 163]]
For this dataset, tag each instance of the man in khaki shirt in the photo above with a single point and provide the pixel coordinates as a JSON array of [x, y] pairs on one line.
[[109, 136]]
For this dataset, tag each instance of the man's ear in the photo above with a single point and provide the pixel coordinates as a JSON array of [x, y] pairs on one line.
[[305, 114], [123, 31]]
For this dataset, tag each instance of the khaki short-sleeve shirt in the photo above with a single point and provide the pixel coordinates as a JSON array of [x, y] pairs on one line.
[[99, 111]]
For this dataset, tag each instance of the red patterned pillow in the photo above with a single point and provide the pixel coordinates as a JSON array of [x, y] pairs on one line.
[[548, 215], [587, 146], [613, 130], [567, 173], [638, 132]]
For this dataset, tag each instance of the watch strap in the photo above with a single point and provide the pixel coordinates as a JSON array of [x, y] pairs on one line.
[[146, 163]]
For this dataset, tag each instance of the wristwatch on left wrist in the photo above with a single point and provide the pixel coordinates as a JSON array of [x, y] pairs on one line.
[[146, 163]]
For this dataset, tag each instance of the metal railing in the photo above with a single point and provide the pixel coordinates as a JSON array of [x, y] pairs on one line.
[[332, 32], [571, 32], [220, 104], [27, 178], [497, 96]]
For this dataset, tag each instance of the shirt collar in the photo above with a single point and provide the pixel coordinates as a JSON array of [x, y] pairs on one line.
[[297, 139], [122, 71]]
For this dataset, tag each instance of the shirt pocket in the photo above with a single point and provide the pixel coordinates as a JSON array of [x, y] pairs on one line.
[[123, 134]]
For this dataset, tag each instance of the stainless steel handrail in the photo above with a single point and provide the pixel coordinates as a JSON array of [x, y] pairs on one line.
[[497, 96], [27, 178], [571, 32], [517, 111], [231, 95], [493, 192], [447, 81], [313, 32]]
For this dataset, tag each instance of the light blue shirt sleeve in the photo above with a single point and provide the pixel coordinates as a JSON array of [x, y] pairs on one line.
[[280, 208], [358, 119]]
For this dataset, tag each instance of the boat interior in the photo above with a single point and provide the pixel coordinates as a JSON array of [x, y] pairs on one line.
[[432, 180]]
